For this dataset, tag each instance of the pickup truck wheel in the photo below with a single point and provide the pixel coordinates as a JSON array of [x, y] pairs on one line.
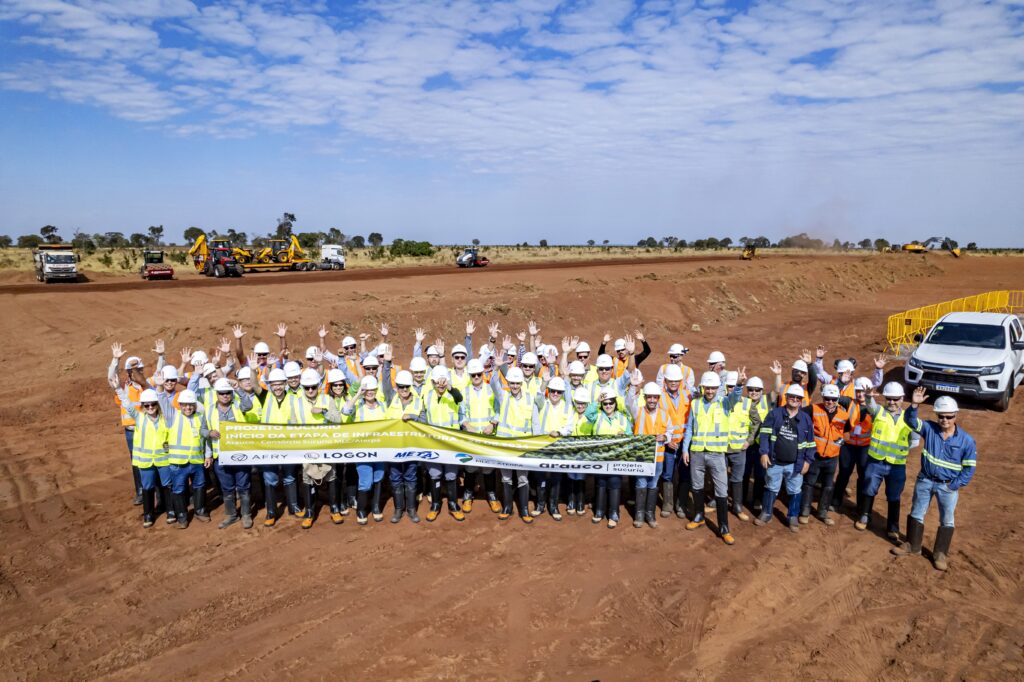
[[1003, 404]]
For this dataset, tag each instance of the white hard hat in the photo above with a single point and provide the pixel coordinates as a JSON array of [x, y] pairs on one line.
[[368, 384], [417, 364], [132, 362], [576, 367], [795, 389], [474, 366], [893, 389], [459, 348], [607, 394], [244, 373], [199, 358], [277, 374], [528, 359], [716, 357], [581, 395], [945, 405], [149, 396], [371, 361], [549, 349], [381, 349], [486, 353], [432, 350], [732, 378], [261, 347], [292, 369], [800, 365], [348, 341], [583, 347], [862, 384], [514, 376], [335, 376], [604, 361], [309, 378], [311, 352], [208, 369], [620, 344], [403, 378], [676, 349], [829, 391], [652, 389], [222, 386], [169, 373], [556, 384], [844, 366], [187, 397], [755, 382], [440, 373], [673, 373], [710, 380]]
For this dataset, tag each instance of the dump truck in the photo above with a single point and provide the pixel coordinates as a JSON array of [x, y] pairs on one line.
[[56, 263], [154, 267], [213, 259]]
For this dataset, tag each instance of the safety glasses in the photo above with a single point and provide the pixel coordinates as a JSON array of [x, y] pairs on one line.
[[352, 347], [474, 376], [148, 405], [606, 403], [945, 417], [460, 356], [830, 400], [224, 392]]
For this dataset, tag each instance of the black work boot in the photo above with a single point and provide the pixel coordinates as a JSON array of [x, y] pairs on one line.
[[245, 498], [454, 508], [137, 480], [492, 495], [334, 500], [892, 522], [410, 501], [542, 498], [652, 501], [181, 510], [864, 512], [435, 500], [639, 507], [309, 494], [555, 488], [350, 501], [940, 555], [362, 507], [600, 503], [737, 501], [230, 513], [398, 493], [915, 538], [722, 509], [667, 498], [270, 497], [506, 501], [682, 501], [825, 503], [167, 502], [698, 511], [614, 495], [291, 492], [523, 498], [199, 504], [378, 513], [148, 506]]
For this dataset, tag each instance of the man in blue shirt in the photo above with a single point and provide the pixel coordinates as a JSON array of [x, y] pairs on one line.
[[948, 460], [787, 450]]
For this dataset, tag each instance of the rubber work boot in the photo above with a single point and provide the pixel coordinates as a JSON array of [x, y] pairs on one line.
[[542, 497], [555, 489], [570, 503], [523, 497], [270, 492], [737, 501], [698, 515], [167, 502], [147, 508], [667, 498], [199, 504], [398, 494], [681, 501], [467, 494], [940, 555], [506, 501], [181, 510], [825, 503], [435, 500], [492, 497], [639, 507], [915, 538], [362, 507], [613, 506], [334, 500], [309, 493], [892, 530], [410, 501], [600, 501], [291, 493], [246, 501], [230, 513], [378, 513], [652, 501], [722, 508], [864, 512], [349, 500], [453, 501], [767, 505]]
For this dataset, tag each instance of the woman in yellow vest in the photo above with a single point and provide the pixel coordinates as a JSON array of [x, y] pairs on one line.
[[608, 422], [235, 481], [364, 407], [744, 426], [186, 453], [149, 447], [551, 416], [442, 406], [336, 397], [404, 404]]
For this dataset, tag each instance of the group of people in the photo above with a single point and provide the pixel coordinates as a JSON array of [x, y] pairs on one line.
[[727, 442]]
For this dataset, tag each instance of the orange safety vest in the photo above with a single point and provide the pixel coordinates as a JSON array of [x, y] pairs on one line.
[[620, 366], [133, 397], [678, 415], [782, 395], [861, 418], [687, 371], [847, 390], [828, 431], [652, 425]]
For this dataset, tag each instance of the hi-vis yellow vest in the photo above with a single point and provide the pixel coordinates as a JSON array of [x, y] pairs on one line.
[[739, 424], [185, 444], [516, 417], [148, 442], [479, 407], [890, 438], [275, 413], [441, 410], [555, 417], [213, 421], [711, 433], [615, 425], [396, 410]]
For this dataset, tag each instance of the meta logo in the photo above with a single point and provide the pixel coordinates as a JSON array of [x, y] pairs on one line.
[[416, 454]]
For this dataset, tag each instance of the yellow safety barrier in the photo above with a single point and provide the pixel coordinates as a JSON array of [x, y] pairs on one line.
[[903, 326]]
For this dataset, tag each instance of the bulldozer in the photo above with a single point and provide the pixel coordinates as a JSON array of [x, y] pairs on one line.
[[944, 243]]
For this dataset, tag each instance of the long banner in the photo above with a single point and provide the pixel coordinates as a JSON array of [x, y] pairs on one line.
[[402, 441]]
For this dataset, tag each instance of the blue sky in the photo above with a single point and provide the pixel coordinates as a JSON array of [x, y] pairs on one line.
[[516, 121]]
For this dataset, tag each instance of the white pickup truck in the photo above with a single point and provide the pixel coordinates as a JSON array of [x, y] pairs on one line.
[[975, 354]]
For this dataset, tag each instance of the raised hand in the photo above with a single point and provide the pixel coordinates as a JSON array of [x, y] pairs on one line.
[[574, 342], [318, 355], [805, 355], [117, 350], [470, 327], [565, 344], [607, 337], [282, 329], [216, 359], [552, 355], [776, 367], [322, 332], [493, 329], [639, 335], [820, 351], [506, 343], [253, 361], [880, 361], [387, 352], [420, 335], [158, 347], [636, 378], [439, 346], [384, 330], [363, 337], [225, 345], [186, 355], [532, 327], [238, 331], [630, 344], [920, 395], [742, 372], [521, 336]]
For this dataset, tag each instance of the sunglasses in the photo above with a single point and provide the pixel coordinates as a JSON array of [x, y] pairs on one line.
[[474, 376], [352, 347], [893, 400], [755, 390], [528, 366], [339, 383], [225, 392], [311, 388], [830, 400], [604, 369], [553, 391], [608, 402], [793, 397], [674, 357], [262, 355], [149, 404], [458, 357], [400, 387], [583, 356], [946, 417]]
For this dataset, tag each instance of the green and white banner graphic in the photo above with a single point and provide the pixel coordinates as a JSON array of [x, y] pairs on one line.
[[404, 441]]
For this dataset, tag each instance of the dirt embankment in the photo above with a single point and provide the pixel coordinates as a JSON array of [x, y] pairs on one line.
[[85, 592]]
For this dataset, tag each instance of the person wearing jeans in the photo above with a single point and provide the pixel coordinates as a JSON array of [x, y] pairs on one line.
[[787, 450]]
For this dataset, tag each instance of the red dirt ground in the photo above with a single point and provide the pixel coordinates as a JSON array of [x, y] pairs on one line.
[[85, 592]]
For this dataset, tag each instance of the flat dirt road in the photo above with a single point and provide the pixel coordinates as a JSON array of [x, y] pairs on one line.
[[86, 593]]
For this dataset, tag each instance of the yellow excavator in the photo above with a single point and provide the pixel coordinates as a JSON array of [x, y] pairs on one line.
[[944, 243], [281, 251]]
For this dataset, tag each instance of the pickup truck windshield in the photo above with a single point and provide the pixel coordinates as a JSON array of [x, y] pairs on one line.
[[59, 258], [971, 335]]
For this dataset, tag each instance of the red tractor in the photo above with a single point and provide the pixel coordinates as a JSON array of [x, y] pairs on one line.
[[154, 267]]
